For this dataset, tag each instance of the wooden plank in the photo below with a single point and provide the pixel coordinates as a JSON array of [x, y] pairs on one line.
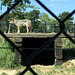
[[18, 42], [17, 57], [58, 40], [34, 35], [18, 39], [58, 44], [29, 35], [58, 51], [58, 62]]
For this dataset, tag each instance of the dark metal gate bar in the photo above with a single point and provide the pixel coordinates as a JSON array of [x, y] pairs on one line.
[[38, 51]]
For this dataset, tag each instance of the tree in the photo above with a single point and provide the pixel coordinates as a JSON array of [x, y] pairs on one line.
[[68, 23], [20, 7], [53, 27], [18, 15], [34, 16], [44, 19], [50, 24]]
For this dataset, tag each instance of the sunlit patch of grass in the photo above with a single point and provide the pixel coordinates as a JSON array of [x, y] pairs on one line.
[[3, 73]]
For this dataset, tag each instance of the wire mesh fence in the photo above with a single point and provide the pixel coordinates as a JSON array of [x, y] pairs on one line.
[[49, 42]]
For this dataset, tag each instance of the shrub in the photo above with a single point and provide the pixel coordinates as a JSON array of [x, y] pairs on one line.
[[7, 56], [67, 44]]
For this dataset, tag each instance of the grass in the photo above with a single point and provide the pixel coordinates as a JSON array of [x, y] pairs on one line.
[[18, 72], [7, 56], [3, 73], [67, 68]]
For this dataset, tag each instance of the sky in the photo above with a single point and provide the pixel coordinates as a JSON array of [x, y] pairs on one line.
[[56, 6]]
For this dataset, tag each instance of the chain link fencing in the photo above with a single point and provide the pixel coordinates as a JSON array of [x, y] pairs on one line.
[[39, 50]]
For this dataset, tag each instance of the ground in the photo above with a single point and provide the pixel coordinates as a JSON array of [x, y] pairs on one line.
[[8, 72], [67, 68]]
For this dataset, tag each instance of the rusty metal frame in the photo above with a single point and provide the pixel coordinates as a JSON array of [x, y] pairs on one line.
[[38, 51]]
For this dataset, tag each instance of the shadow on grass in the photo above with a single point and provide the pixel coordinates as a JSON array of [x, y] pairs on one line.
[[68, 54]]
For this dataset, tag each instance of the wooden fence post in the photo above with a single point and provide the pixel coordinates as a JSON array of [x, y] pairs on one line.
[[18, 42], [58, 51]]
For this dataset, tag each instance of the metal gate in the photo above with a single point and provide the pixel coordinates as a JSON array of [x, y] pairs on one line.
[[38, 51]]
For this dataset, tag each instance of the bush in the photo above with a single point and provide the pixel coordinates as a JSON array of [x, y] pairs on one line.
[[67, 44], [7, 56]]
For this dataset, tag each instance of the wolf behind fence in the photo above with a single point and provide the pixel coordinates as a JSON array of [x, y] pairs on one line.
[[18, 23]]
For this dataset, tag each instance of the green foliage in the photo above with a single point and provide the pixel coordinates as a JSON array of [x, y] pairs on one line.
[[49, 24], [18, 73], [64, 14], [18, 15], [10, 2], [68, 23], [57, 67], [44, 19], [28, 73], [7, 56], [67, 44], [54, 26], [34, 16]]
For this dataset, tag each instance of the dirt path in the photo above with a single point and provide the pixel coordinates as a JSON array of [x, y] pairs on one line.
[[8, 72], [67, 69], [13, 72]]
